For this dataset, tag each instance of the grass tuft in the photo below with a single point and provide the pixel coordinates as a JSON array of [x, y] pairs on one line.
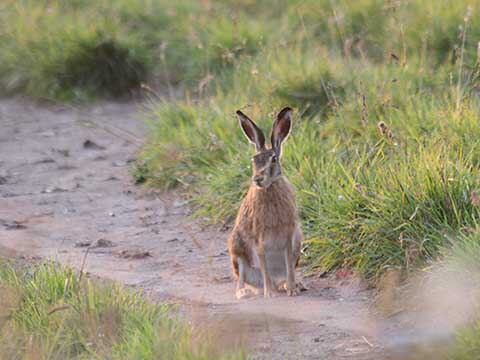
[[47, 312], [384, 150]]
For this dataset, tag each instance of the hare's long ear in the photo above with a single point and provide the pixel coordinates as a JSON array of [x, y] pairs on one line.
[[252, 131], [281, 129]]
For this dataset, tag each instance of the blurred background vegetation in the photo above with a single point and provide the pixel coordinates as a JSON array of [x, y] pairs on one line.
[[385, 151]]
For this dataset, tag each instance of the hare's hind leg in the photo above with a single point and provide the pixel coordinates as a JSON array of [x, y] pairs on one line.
[[236, 248], [297, 245]]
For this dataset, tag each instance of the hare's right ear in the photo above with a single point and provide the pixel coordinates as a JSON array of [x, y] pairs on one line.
[[281, 129], [252, 131]]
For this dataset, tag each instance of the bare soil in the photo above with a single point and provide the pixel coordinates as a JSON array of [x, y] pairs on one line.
[[66, 193]]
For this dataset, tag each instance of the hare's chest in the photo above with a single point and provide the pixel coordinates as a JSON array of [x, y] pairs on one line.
[[275, 219], [273, 241]]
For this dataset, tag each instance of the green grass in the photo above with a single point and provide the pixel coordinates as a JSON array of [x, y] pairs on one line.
[[67, 50], [368, 201], [48, 312], [462, 260], [75, 50]]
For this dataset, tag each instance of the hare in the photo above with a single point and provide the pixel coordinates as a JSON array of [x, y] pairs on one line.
[[264, 245]]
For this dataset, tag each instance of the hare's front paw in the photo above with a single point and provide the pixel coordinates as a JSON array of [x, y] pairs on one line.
[[269, 292], [244, 293], [301, 287], [293, 292]]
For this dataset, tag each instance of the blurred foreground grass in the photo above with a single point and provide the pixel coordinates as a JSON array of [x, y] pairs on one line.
[[48, 312]]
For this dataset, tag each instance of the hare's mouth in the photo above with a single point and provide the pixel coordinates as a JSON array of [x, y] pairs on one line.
[[261, 184], [258, 183]]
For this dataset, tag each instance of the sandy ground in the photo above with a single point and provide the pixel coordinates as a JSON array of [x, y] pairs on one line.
[[65, 187]]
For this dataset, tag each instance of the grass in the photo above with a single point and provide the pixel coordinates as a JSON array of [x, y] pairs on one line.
[[367, 202], [48, 312], [77, 50], [385, 148], [369, 199], [462, 259], [60, 50]]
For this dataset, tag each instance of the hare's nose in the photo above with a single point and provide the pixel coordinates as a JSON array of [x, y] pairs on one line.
[[258, 179]]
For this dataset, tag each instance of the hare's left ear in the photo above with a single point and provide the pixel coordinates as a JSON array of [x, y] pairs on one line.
[[281, 129], [253, 133]]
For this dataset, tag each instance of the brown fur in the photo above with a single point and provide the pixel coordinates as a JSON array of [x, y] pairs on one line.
[[272, 209], [265, 242]]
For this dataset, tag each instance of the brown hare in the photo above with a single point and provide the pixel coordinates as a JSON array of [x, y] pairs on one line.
[[265, 242]]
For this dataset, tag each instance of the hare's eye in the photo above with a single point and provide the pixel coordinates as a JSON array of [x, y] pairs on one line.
[[274, 159]]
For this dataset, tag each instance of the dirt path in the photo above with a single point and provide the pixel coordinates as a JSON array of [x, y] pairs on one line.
[[65, 185]]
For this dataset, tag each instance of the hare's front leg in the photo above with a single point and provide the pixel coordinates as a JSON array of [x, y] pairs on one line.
[[241, 291], [241, 275], [267, 281], [290, 261]]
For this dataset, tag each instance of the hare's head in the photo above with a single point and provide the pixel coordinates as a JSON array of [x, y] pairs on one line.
[[266, 162]]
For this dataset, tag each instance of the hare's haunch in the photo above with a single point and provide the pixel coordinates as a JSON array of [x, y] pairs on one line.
[[265, 242]]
